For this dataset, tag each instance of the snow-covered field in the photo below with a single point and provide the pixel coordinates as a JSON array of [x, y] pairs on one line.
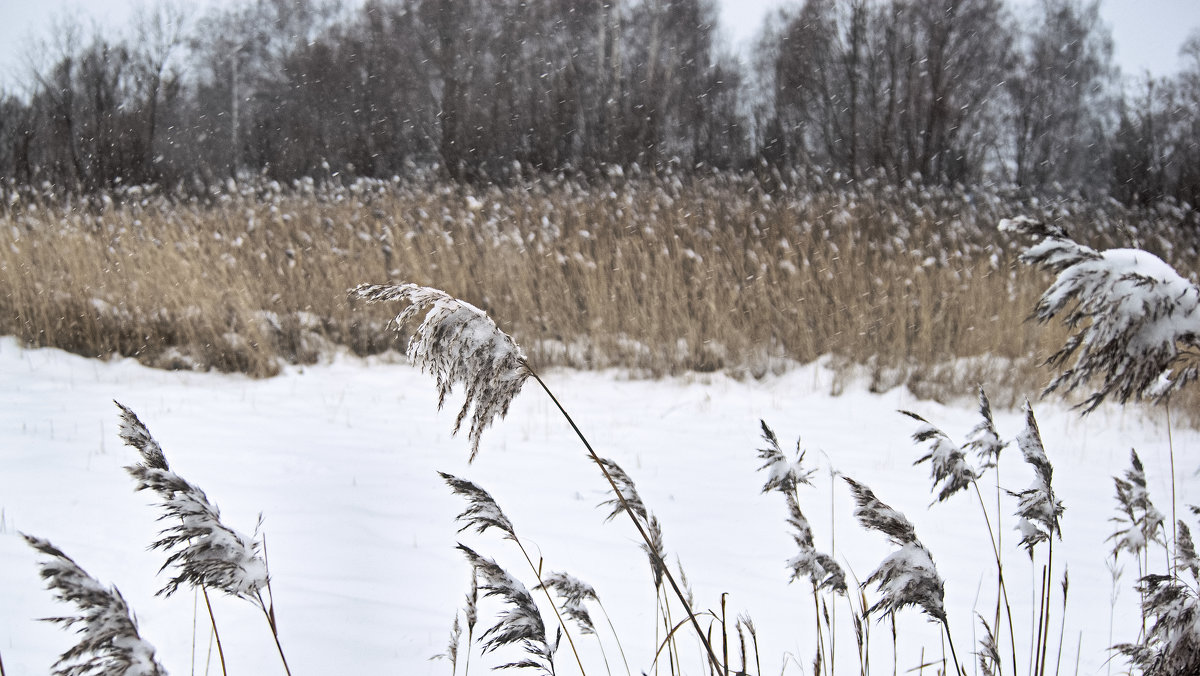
[[341, 461]]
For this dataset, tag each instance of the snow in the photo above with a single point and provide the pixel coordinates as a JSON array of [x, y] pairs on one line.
[[341, 460]]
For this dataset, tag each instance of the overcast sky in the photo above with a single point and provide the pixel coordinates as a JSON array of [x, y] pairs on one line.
[[1147, 33]]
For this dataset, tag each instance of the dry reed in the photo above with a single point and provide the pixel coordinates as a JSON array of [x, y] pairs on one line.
[[654, 275]]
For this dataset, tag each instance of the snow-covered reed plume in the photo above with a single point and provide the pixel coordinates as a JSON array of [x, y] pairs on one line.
[[628, 500], [1138, 522], [983, 438], [204, 551], [907, 576], [520, 624], [1172, 644], [458, 343], [109, 643], [573, 593], [628, 490], [1038, 510], [482, 512], [785, 476], [820, 568], [989, 652], [1133, 317], [947, 462], [1185, 554]]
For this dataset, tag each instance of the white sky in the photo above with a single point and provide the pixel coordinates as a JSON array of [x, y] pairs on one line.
[[1147, 33]]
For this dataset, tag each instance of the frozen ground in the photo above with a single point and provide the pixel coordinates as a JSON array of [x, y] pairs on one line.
[[340, 459]]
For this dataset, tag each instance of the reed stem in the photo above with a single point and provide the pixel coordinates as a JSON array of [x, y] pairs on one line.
[[216, 634], [538, 574], [1000, 573], [637, 524], [269, 613]]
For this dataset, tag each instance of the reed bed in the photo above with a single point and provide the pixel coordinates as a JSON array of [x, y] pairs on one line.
[[1120, 295], [652, 275]]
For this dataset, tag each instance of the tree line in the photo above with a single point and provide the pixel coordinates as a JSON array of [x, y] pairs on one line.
[[933, 91]]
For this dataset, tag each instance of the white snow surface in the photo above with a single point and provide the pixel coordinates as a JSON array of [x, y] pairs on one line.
[[341, 461]]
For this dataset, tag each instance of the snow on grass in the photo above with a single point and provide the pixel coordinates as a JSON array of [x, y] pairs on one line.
[[342, 459]]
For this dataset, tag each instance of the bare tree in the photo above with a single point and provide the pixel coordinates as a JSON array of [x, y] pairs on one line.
[[1060, 94]]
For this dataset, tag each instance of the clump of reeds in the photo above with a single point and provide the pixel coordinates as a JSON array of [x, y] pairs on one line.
[[520, 624], [483, 513], [635, 274], [459, 344], [109, 642], [205, 553]]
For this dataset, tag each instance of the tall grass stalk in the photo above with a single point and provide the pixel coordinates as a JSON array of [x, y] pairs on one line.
[[458, 343], [483, 513], [949, 467], [203, 550], [636, 522]]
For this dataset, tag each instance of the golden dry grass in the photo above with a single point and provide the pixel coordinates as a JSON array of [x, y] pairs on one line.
[[651, 275]]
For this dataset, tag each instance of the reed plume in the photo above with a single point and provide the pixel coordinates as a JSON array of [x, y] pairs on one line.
[[1038, 510], [947, 462], [783, 475], [983, 438], [908, 576], [520, 624], [482, 512], [204, 551], [573, 593], [1135, 320], [1185, 555], [109, 642], [457, 343], [1139, 521]]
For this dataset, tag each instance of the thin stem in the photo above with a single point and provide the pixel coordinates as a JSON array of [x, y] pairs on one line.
[[1062, 629], [895, 646], [1037, 639], [470, 640], [195, 626], [953, 654], [615, 636], [538, 574], [641, 531], [1012, 641], [216, 634], [1046, 635], [820, 634], [603, 654], [269, 611], [1174, 519], [270, 615], [724, 635]]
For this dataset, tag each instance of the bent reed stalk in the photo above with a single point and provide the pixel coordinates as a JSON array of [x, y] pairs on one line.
[[458, 343]]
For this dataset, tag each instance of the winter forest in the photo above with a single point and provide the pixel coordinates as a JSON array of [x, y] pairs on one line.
[[940, 91]]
